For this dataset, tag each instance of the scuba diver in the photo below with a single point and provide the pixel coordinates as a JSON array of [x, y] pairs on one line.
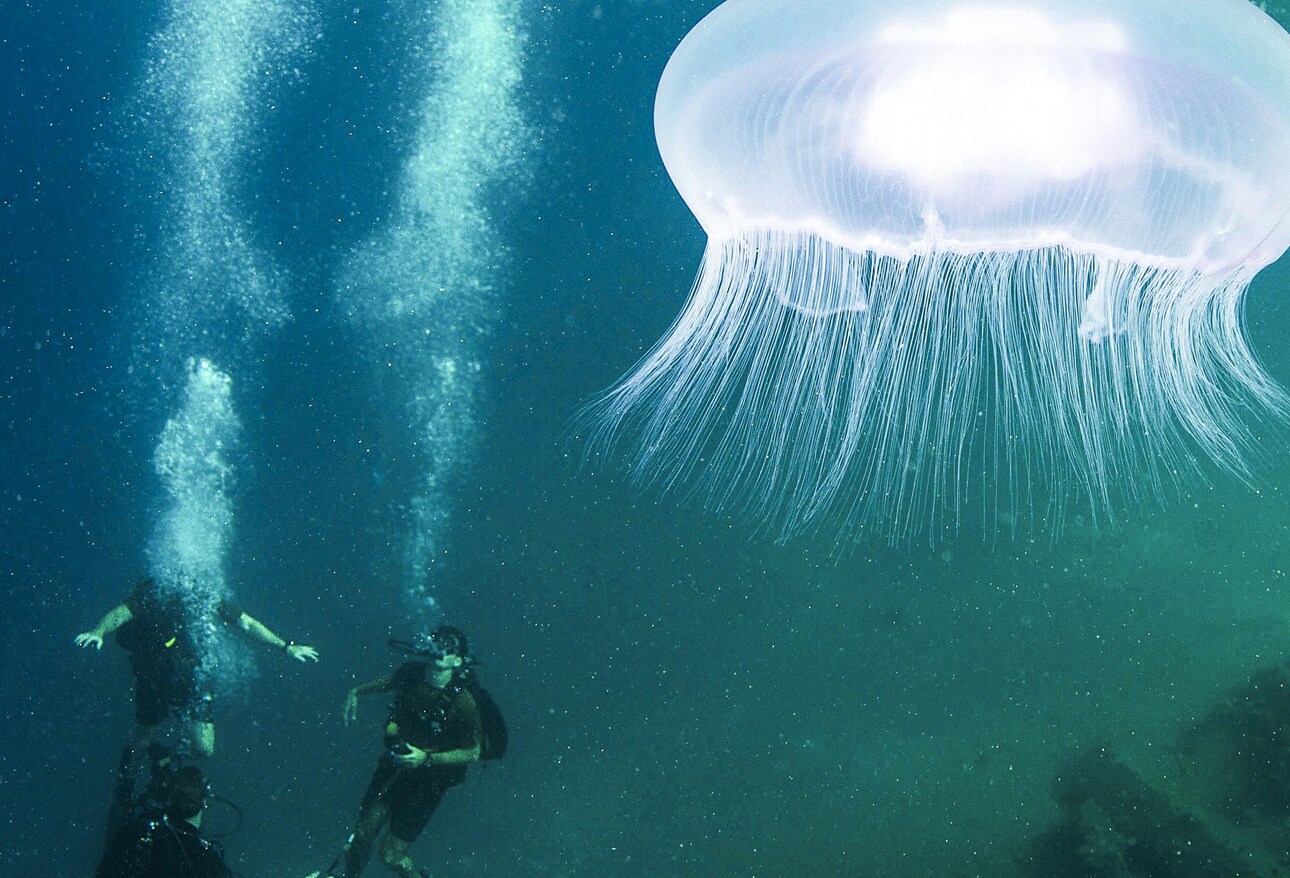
[[154, 626], [163, 839], [440, 723]]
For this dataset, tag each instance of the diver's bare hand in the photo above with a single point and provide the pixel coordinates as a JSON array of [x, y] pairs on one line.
[[302, 653], [90, 638], [410, 757], [349, 713]]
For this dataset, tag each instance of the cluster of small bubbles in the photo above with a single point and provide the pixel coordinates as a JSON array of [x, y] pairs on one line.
[[428, 517], [195, 125], [424, 290], [187, 550]]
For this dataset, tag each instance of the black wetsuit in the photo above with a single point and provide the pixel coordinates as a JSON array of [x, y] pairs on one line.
[[153, 846], [431, 719], [164, 656]]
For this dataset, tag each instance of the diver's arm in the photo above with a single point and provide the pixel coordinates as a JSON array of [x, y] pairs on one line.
[[383, 683], [415, 757], [115, 618], [256, 630], [462, 756]]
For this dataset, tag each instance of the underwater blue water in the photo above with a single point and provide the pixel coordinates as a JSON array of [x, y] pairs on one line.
[[684, 699]]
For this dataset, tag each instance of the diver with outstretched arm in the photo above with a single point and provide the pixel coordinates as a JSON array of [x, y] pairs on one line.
[[155, 626], [254, 628]]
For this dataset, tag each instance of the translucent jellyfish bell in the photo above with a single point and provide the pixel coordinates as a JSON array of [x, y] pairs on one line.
[[963, 254]]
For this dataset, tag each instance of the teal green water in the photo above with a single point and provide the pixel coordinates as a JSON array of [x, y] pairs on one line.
[[684, 699]]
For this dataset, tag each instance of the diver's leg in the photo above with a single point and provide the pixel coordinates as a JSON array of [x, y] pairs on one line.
[[127, 770], [200, 717], [142, 739], [196, 719], [133, 753], [359, 847], [203, 735], [123, 786], [394, 854], [373, 812], [410, 811]]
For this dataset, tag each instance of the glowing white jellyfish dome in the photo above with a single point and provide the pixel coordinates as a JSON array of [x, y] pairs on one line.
[[964, 253], [1138, 129]]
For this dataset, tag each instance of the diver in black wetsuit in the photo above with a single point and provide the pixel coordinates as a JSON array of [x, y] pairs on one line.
[[163, 839], [434, 733], [154, 625]]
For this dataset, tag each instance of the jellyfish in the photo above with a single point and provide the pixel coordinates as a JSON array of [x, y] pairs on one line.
[[966, 261]]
